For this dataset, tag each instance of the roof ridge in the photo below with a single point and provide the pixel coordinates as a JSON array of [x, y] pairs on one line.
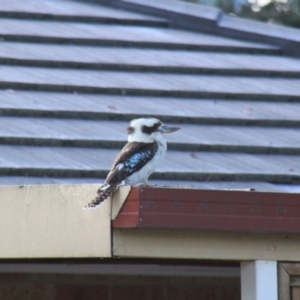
[[194, 17]]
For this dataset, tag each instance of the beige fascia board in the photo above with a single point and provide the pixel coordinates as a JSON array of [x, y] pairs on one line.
[[179, 244], [119, 198], [48, 221]]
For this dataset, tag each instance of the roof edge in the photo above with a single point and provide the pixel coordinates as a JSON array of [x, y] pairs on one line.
[[180, 14], [201, 18], [210, 210]]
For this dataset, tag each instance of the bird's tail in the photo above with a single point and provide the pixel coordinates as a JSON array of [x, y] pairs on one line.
[[103, 193]]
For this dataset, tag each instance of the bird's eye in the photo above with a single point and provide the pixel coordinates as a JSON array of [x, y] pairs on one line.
[[130, 130]]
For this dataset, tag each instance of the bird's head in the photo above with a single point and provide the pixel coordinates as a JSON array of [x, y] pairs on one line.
[[147, 130]]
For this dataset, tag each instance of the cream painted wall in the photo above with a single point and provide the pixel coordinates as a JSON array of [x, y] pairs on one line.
[[49, 222]]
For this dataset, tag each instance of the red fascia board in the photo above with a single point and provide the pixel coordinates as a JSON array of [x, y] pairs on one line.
[[129, 214], [222, 210]]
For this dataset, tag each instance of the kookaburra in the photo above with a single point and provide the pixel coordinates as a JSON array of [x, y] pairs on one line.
[[138, 159]]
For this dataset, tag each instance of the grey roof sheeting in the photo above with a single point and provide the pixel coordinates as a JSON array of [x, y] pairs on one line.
[[73, 74]]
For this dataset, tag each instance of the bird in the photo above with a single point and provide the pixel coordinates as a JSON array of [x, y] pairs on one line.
[[137, 160]]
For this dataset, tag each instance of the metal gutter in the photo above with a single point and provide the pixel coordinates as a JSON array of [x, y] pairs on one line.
[[210, 210]]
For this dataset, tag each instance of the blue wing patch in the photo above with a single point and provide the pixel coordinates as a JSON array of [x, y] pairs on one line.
[[131, 159], [138, 160]]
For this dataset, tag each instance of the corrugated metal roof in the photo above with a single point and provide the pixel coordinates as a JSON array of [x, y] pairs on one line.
[[73, 74]]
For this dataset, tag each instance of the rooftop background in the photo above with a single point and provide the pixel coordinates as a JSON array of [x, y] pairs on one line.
[[74, 74]]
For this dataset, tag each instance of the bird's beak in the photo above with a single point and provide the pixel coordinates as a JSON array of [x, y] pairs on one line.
[[168, 129]]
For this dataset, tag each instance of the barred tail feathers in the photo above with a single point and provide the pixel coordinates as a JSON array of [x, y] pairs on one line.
[[103, 193]]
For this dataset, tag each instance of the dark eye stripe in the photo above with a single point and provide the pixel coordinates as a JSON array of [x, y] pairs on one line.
[[150, 129]]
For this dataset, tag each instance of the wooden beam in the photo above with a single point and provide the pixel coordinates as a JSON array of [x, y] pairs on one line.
[[283, 283]]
